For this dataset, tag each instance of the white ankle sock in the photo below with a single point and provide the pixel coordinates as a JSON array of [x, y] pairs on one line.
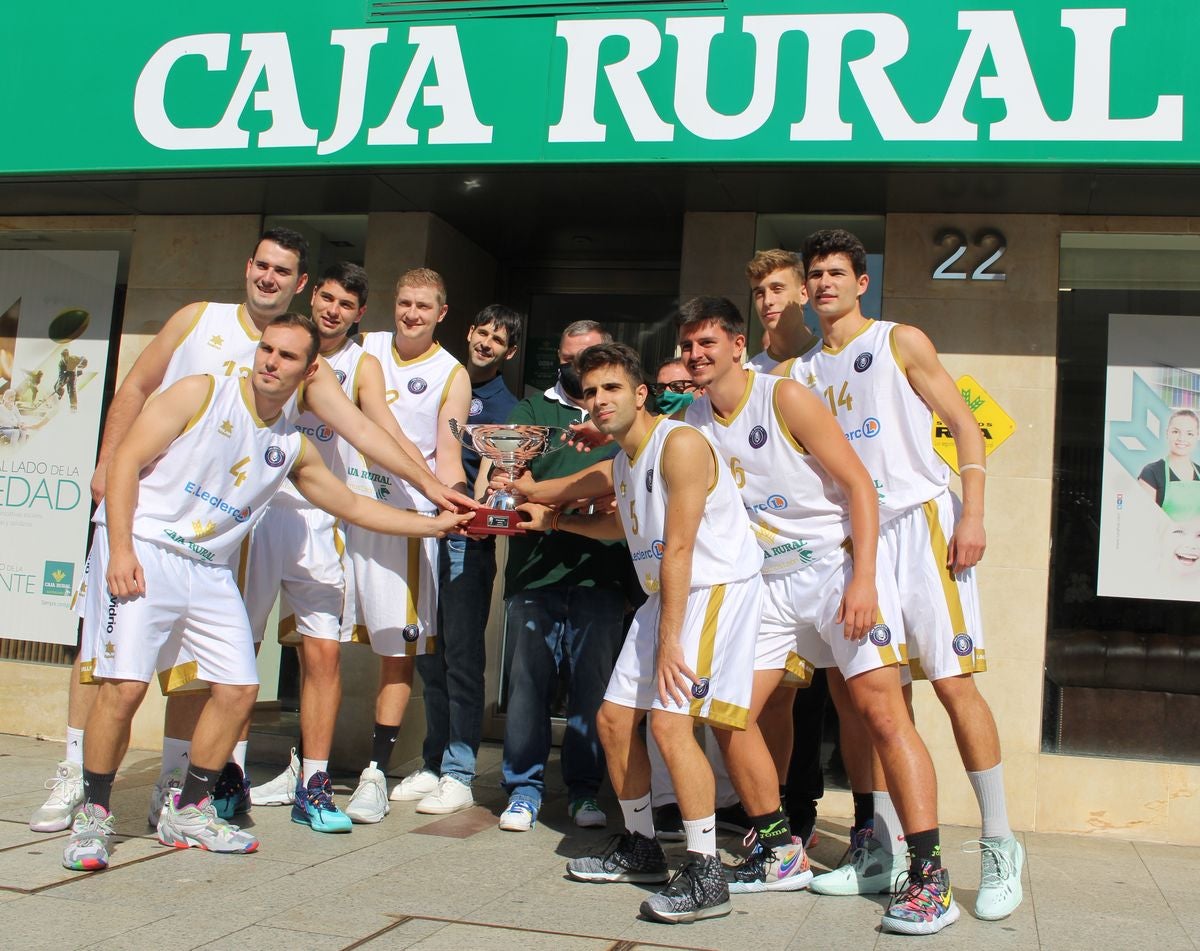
[[639, 816], [701, 835], [74, 746], [175, 754], [888, 831], [989, 790], [239, 754], [311, 766]]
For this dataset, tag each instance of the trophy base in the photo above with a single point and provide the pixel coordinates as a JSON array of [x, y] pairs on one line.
[[496, 522]]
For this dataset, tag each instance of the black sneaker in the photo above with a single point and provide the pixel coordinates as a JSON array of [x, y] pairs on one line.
[[734, 819], [231, 793], [630, 857], [781, 869], [697, 891], [668, 823]]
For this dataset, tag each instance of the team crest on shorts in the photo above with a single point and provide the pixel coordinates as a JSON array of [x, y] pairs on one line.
[[649, 480], [758, 437], [411, 632], [476, 406], [963, 645], [700, 688], [274, 457], [862, 362], [416, 386], [880, 635]]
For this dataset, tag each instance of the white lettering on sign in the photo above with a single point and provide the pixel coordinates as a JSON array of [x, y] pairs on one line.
[[437, 76]]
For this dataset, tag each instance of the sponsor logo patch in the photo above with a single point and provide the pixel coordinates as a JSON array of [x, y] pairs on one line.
[[324, 433], [58, 577]]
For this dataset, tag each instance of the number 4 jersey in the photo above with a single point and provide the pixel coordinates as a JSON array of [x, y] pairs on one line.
[[866, 387]]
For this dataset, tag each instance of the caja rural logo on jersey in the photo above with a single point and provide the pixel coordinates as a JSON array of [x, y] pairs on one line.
[[862, 362], [758, 437], [417, 386]]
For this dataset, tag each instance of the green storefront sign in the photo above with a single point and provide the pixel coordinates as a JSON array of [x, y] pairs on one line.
[[225, 85]]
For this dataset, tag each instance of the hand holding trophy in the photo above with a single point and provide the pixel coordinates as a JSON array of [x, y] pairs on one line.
[[510, 448]]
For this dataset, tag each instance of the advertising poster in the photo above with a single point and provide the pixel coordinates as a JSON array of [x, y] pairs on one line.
[[1150, 514], [55, 315]]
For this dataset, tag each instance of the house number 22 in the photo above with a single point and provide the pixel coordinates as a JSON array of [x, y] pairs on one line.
[[989, 245]]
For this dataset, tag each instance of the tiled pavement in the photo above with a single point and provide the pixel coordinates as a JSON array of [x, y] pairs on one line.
[[460, 883]]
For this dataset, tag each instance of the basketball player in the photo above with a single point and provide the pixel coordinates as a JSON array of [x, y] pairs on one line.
[[396, 579], [185, 487], [881, 380], [777, 283], [688, 654]]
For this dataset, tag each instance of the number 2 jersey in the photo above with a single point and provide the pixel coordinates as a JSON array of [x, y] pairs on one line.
[[798, 513], [201, 497], [890, 427], [724, 551]]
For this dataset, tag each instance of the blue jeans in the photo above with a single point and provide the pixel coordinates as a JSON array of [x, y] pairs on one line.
[[549, 627], [453, 675]]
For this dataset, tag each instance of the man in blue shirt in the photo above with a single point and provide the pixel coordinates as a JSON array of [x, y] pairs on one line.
[[453, 675]]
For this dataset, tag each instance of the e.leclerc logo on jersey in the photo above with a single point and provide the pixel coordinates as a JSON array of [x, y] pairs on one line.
[[774, 503], [868, 430]]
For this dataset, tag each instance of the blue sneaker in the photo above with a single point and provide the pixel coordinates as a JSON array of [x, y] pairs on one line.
[[314, 806], [520, 816], [231, 793]]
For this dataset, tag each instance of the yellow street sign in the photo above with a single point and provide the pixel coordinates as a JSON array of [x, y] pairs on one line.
[[995, 424]]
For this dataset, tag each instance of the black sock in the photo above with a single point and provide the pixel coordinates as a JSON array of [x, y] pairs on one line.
[[783, 799], [382, 742], [773, 828], [864, 809], [97, 788], [924, 852], [197, 784]]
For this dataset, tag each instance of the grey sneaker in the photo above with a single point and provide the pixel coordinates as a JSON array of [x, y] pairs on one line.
[[66, 796], [280, 791], [199, 826], [697, 891], [164, 787], [630, 857], [91, 833]]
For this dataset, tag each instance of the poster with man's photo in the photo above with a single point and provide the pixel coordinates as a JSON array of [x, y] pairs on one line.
[[1150, 511], [55, 315]]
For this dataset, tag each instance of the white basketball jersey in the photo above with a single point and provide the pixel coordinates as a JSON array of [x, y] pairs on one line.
[[416, 391], [798, 513], [725, 549], [201, 497], [345, 363], [221, 341], [887, 423]]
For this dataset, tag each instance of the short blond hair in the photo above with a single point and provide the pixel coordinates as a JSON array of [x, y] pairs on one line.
[[768, 262], [423, 277]]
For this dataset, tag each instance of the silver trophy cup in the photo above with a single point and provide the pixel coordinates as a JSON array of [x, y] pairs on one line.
[[511, 448]]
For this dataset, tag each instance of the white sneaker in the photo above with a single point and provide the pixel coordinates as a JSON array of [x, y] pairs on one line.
[[519, 816], [450, 796], [587, 813], [415, 786], [199, 827], [280, 791], [171, 783], [66, 796], [1000, 883], [369, 802]]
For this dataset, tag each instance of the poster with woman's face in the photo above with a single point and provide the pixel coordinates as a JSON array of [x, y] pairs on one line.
[[1150, 501]]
